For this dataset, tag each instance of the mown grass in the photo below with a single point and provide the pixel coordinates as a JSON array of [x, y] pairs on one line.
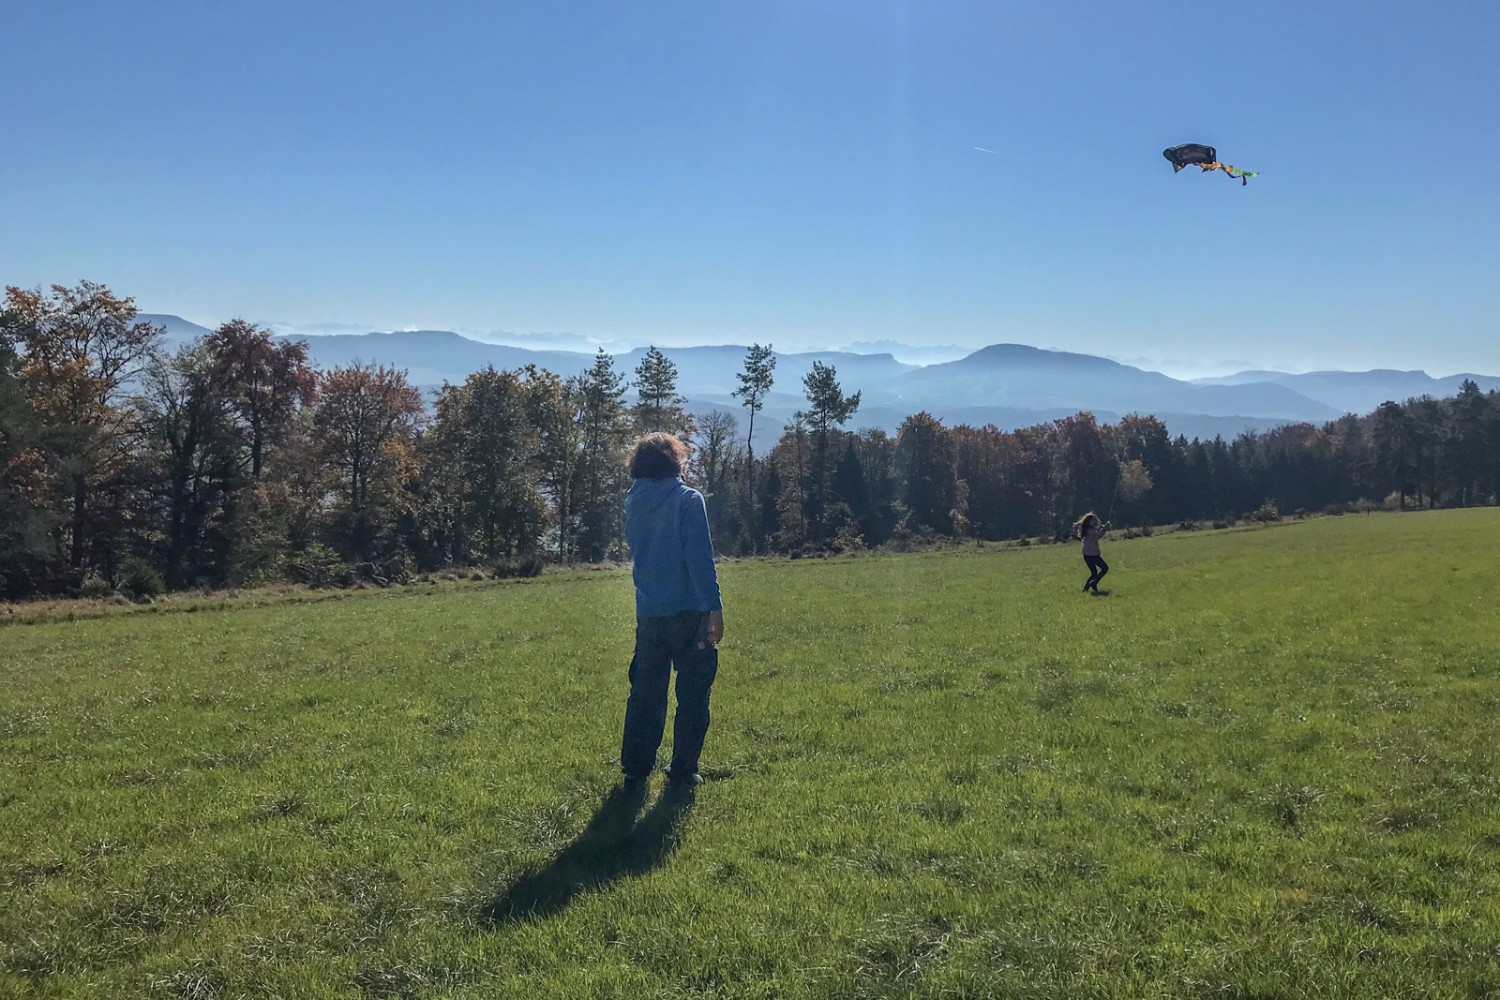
[[1262, 765]]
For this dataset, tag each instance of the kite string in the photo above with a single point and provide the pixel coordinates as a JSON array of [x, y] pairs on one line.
[[1120, 462]]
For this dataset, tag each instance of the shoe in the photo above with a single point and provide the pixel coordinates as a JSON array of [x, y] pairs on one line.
[[633, 779], [690, 779]]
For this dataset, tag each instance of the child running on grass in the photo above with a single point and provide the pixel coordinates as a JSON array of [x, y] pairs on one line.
[[1090, 529]]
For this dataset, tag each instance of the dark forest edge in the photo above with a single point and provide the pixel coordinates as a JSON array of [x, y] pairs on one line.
[[127, 471]]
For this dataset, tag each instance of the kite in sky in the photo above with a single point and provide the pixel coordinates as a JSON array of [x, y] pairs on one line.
[[1192, 154]]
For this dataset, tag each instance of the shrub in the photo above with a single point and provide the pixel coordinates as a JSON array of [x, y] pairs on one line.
[[1267, 511], [514, 567], [1221, 523], [318, 566], [140, 581], [848, 539], [95, 587], [399, 569]]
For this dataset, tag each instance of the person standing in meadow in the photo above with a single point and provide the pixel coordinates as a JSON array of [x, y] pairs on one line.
[[679, 615], [1090, 529]]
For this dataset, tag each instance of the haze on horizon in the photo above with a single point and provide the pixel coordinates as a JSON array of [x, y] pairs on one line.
[[810, 173]]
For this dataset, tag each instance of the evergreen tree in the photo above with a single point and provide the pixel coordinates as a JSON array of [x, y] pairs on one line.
[[484, 428], [849, 486], [550, 408], [755, 379], [1467, 444], [930, 486], [659, 407], [604, 437], [1395, 461], [827, 410]]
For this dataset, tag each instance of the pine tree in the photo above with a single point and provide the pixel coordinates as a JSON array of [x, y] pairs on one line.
[[828, 409], [659, 407], [598, 398], [755, 379]]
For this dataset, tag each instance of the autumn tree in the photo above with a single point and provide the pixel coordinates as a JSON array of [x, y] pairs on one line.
[[1089, 468], [1134, 483], [365, 421], [81, 348], [987, 461], [713, 465], [26, 524], [266, 381], [192, 451]]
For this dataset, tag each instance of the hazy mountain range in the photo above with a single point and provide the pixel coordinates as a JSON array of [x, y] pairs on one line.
[[1009, 385]]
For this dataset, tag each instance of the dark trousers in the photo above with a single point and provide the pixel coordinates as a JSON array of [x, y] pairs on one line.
[[661, 644], [1097, 568]]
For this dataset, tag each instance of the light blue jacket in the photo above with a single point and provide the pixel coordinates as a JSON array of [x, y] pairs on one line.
[[666, 525]]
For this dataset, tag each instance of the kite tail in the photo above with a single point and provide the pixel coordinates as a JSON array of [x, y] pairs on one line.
[[1230, 170]]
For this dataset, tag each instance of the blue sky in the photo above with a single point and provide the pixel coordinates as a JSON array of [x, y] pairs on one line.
[[799, 172]]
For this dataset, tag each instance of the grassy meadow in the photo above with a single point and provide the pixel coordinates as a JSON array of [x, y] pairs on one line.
[[1262, 764]]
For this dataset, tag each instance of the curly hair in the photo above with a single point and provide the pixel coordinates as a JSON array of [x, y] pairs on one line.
[[1083, 524], [657, 456]]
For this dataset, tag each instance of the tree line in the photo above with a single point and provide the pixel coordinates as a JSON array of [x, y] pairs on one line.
[[232, 460]]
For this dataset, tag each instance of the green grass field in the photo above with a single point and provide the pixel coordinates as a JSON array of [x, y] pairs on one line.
[[1264, 765]]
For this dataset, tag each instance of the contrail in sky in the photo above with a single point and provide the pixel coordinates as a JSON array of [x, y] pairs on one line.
[[993, 152]]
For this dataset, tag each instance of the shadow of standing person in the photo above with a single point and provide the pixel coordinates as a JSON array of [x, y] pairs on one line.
[[612, 846]]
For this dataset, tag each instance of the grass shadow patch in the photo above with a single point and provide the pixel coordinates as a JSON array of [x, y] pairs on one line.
[[900, 951], [1061, 692], [946, 810], [1289, 805], [920, 681], [613, 846]]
